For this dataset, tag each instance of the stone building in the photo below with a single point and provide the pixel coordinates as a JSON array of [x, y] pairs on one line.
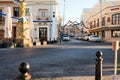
[[103, 20]]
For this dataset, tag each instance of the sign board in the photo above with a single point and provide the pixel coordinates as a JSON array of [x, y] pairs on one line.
[[115, 45]]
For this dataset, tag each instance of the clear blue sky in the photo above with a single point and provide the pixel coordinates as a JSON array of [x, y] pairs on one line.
[[74, 8]]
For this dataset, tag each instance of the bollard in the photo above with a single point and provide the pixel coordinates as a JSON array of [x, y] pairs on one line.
[[98, 68], [24, 69]]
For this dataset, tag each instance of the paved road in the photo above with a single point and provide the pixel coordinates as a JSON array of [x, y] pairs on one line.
[[70, 60]]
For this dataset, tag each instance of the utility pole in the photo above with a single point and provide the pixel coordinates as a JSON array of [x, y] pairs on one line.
[[100, 13], [50, 21], [100, 24], [63, 15]]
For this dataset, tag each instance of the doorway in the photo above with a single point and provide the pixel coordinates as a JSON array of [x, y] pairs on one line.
[[42, 34]]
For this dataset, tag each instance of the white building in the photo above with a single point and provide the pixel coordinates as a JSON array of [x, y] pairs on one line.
[[44, 14]]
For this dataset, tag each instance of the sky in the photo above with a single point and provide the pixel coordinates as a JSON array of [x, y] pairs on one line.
[[74, 8]]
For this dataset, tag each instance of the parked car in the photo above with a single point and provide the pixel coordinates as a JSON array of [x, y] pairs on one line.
[[80, 37], [94, 38], [71, 35], [87, 37], [66, 38]]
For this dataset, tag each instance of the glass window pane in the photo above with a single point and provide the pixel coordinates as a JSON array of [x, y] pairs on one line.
[[27, 11], [16, 12]]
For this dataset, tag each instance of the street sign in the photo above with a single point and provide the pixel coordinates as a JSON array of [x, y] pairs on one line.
[[115, 45]]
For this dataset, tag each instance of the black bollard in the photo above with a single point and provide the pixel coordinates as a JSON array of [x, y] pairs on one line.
[[24, 69], [98, 68]]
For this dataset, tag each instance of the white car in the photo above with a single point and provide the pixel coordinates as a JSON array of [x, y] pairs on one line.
[[66, 38], [87, 37], [94, 38]]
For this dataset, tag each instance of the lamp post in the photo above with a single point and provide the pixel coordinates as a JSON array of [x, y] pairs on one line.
[[63, 16], [100, 1], [50, 20]]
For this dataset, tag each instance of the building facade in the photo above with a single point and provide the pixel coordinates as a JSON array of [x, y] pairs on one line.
[[103, 20], [44, 15]]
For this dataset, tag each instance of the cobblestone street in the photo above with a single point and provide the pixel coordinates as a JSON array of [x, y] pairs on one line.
[[74, 60]]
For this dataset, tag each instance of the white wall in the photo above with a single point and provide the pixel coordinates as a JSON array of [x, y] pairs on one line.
[[34, 11]]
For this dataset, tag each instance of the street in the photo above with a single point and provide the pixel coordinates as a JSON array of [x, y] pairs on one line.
[[70, 59]]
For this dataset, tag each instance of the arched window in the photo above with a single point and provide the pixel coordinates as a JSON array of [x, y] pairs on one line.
[[116, 19]]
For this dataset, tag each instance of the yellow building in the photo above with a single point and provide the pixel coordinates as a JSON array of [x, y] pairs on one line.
[[103, 20]]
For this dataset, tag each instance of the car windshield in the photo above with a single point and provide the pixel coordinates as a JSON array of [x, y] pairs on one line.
[[93, 36], [65, 35]]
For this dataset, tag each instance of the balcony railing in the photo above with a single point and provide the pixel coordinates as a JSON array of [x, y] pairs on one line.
[[40, 18]]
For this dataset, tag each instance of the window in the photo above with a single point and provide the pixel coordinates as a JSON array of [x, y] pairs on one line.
[[2, 19], [27, 11], [43, 14], [115, 33], [90, 25], [16, 11], [108, 19], [97, 22], [116, 19], [103, 21], [94, 24], [0, 16]]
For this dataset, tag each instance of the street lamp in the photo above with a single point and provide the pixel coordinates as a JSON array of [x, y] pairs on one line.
[[100, 1], [50, 20], [63, 15], [102, 32]]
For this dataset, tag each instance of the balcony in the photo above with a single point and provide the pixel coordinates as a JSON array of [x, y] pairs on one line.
[[41, 18]]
